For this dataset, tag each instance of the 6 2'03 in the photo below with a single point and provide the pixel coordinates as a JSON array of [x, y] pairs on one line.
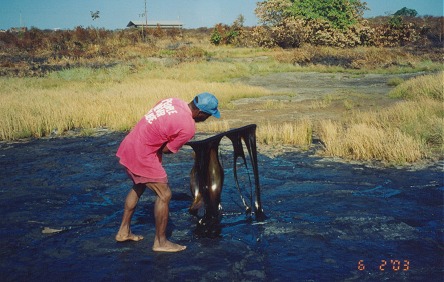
[[393, 264]]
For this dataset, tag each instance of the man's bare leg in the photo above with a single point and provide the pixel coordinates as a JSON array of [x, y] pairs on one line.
[[124, 233], [161, 210]]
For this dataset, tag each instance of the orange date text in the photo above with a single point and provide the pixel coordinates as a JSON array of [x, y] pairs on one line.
[[387, 265]]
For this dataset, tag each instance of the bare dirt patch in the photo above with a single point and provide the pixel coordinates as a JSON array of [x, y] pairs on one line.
[[296, 95]]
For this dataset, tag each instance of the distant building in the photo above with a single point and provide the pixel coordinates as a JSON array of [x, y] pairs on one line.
[[18, 29], [155, 24]]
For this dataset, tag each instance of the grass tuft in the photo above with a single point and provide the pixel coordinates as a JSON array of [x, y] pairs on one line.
[[407, 132], [297, 133], [367, 142], [426, 86]]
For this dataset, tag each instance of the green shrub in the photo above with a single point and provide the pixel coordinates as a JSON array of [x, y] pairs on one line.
[[216, 37]]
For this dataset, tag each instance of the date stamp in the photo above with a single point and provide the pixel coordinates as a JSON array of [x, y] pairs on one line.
[[394, 265]]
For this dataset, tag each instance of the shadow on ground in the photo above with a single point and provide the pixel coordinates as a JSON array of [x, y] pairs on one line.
[[61, 203]]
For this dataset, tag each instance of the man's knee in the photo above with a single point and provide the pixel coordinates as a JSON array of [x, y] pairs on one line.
[[162, 190], [166, 195]]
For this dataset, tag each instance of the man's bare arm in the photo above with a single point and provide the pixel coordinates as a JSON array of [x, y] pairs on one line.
[[165, 149]]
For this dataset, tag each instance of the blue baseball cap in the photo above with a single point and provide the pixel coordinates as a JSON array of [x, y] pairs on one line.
[[207, 103]]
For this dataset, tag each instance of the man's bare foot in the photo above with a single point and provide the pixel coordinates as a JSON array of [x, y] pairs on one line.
[[130, 237], [168, 247]]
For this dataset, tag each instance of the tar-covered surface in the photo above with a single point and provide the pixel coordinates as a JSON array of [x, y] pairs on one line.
[[61, 203]]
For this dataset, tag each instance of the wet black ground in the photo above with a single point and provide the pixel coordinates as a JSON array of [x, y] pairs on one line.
[[327, 221]]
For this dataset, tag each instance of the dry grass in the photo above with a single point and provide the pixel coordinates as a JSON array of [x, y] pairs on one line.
[[366, 142], [54, 109], [421, 119], [428, 86], [213, 125], [405, 133], [324, 102], [328, 59], [298, 133], [116, 97], [273, 104]]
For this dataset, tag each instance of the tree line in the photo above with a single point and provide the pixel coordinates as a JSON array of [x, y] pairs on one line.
[[337, 23]]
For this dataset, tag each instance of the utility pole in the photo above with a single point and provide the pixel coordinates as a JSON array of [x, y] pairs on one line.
[[144, 14], [146, 22]]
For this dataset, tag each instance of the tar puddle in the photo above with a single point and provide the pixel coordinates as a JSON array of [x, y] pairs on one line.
[[62, 200]]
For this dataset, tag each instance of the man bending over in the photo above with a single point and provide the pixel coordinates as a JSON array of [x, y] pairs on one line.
[[163, 130]]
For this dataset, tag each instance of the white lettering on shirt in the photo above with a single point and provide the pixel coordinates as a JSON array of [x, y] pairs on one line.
[[161, 109]]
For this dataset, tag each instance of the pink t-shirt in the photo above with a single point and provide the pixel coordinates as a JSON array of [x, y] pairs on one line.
[[170, 121]]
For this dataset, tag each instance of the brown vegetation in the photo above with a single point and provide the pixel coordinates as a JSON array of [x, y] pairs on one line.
[[36, 52], [94, 78]]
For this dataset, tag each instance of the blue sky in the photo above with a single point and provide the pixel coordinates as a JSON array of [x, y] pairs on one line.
[[67, 14]]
